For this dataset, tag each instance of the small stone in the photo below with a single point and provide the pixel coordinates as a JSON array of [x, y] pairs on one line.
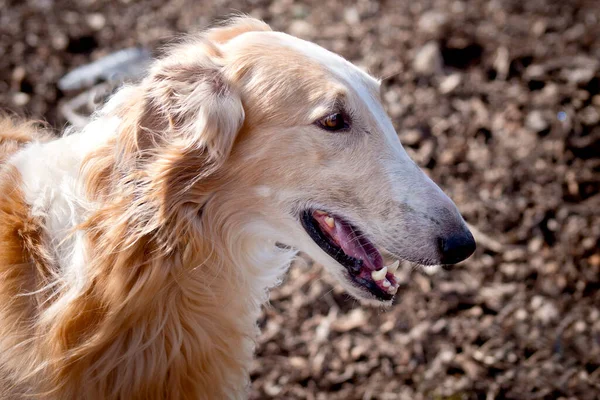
[[433, 23], [272, 389], [535, 244], [20, 99], [537, 302], [502, 63], [580, 326], [535, 71], [550, 93], [428, 59], [583, 375], [590, 115], [511, 255], [96, 21], [351, 16], [574, 33], [536, 122], [59, 41], [358, 351], [521, 314], [387, 326], [546, 313], [489, 360], [354, 319], [450, 83], [18, 74], [579, 75], [440, 325], [411, 137], [298, 362], [539, 27], [32, 39], [509, 269], [301, 28], [446, 355], [588, 243]]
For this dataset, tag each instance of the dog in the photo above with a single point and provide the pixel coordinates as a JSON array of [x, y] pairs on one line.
[[135, 253]]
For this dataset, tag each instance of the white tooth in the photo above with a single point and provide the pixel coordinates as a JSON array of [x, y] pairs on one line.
[[386, 284], [330, 222], [432, 269], [392, 289], [393, 267], [379, 275]]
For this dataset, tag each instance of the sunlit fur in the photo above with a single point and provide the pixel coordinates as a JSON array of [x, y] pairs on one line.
[[172, 291], [135, 254]]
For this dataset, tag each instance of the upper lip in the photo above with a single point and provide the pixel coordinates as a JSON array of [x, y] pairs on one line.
[[365, 267]]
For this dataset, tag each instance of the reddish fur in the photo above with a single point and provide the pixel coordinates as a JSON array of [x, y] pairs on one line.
[[24, 260], [146, 326]]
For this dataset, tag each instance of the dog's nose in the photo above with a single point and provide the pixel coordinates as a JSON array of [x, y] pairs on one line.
[[456, 247]]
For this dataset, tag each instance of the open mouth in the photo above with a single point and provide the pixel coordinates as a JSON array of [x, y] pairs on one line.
[[349, 247]]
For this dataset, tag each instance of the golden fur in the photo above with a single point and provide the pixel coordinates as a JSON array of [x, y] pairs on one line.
[[144, 328], [171, 222], [25, 264]]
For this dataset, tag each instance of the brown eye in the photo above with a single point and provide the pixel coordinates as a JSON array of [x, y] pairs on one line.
[[333, 122]]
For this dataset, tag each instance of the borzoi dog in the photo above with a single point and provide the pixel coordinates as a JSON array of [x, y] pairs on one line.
[[135, 253]]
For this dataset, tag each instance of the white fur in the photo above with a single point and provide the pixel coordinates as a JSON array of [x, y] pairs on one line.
[[52, 187]]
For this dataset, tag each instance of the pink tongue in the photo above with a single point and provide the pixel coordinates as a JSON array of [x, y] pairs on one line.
[[345, 237]]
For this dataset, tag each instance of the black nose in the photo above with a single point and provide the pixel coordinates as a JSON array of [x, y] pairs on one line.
[[456, 247]]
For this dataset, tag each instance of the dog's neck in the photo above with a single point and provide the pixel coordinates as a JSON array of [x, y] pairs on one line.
[[172, 302]]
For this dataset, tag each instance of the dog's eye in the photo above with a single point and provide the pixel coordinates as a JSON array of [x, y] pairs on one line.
[[333, 122]]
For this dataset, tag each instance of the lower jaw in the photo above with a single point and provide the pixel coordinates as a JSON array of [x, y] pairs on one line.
[[371, 288], [364, 288]]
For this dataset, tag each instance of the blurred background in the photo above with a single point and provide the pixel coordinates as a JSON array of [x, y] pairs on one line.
[[498, 100]]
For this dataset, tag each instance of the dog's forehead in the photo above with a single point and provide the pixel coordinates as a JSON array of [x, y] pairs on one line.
[[346, 72], [333, 62], [281, 52], [366, 87]]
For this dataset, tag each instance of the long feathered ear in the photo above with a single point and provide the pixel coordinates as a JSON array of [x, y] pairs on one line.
[[186, 129], [188, 90], [178, 126], [190, 104]]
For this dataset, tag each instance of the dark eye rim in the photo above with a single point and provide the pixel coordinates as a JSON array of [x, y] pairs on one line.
[[343, 128]]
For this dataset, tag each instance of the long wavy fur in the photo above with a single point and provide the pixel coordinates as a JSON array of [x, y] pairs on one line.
[[174, 276]]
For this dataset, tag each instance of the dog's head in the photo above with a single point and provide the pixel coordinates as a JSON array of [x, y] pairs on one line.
[[296, 137]]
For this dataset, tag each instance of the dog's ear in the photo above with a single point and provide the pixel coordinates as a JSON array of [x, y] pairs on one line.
[[179, 125], [189, 103], [188, 96]]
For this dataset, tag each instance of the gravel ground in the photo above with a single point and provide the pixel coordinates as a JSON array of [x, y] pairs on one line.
[[499, 101]]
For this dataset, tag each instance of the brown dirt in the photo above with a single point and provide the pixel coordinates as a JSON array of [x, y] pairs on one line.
[[500, 102]]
